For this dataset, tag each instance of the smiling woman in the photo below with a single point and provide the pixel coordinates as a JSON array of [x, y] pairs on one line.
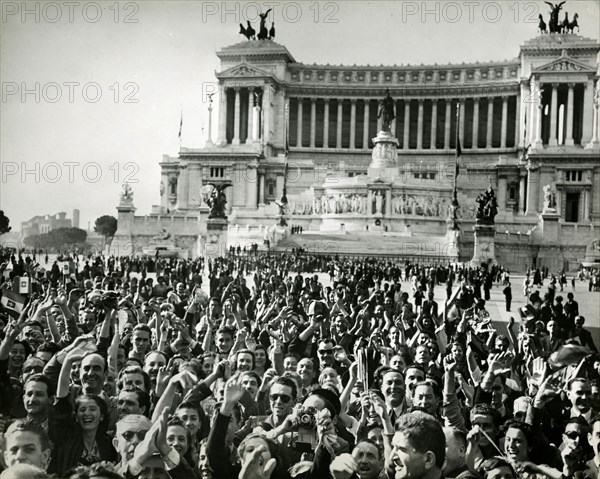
[[84, 431]]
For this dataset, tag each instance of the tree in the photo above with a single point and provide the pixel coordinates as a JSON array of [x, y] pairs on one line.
[[57, 239], [4, 221], [106, 226]]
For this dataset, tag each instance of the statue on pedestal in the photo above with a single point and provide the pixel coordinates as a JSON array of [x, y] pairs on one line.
[[214, 197], [126, 194], [487, 207], [387, 112], [549, 198]]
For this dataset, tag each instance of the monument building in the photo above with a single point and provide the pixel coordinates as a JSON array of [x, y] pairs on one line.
[[316, 148]]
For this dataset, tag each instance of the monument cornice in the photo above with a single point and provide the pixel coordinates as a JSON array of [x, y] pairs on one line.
[[425, 91]]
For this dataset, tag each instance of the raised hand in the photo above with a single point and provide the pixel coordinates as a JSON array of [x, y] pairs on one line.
[[12, 330], [343, 467], [160, 438], [546, 391], [500, 363], [233, 392], [450, 364], [537, 370]]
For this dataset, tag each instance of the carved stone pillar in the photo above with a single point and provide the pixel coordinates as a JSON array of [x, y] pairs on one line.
[[490, 122], [261, 188], [420, 125], [326, 124], [366, 125], [251, 181], [588, 110], [250, 114], [533, 180], [475, 123], [569, 133], [222, 124], [553, 141], [447, 124], [236, 118], [183, 183], [504, 122], [522, 194]]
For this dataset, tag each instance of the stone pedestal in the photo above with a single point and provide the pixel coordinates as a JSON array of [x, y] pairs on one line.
[[384, 162], [451, 248], [484, 245], [123, 242], [212, 241], [550, 231]]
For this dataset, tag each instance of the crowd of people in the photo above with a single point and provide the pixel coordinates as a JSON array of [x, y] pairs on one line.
[[133, 368]]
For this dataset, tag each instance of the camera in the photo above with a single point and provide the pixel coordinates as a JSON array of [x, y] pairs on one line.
[[307, 429]]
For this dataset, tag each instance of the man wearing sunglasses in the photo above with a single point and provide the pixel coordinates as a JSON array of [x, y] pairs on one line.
[[131, 430]]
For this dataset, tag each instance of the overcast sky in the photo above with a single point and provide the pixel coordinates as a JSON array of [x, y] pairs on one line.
[[92, 92]]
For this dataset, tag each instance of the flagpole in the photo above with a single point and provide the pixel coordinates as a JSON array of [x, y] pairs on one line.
[[454, 209], [180, 125]]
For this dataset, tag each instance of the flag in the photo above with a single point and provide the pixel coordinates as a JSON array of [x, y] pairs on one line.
[[458, 149], [180, 126], [12, 301]]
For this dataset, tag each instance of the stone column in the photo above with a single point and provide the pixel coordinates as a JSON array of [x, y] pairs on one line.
[[256, 124], [504, 122], [261, 188], [313, 121], [366, 125], [595, 122], [388, 202], [236, 118], [475, 122], [522, 194], [338, 139], [586, 205], [183, 185], [553, 141], [447, 124], [250, 114], [538, 126], [569, 133], [490, 121], [222, 124], [326, 124], [532, 120], [461, 127], [299, 125], [502, 194], [353, 123], [588, 110], [420, 125], [406, 124], [518, 126], [251, 186], [533, 179], [433, 124], [267, 113]]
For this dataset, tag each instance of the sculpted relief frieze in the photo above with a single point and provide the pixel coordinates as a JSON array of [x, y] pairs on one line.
[[427, 206]]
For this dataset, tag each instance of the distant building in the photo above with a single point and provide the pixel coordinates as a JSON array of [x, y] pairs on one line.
[[44, 224], [528, 128]]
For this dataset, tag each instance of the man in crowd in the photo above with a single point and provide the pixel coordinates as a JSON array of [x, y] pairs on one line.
[[292, 372]]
